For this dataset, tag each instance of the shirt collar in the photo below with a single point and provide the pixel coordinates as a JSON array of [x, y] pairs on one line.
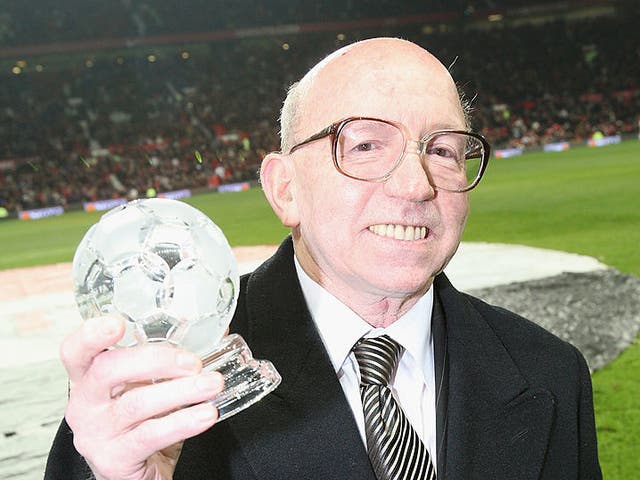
[[340, 327]]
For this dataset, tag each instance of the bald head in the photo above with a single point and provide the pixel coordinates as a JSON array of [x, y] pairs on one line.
[[349, 82], [340, 225]]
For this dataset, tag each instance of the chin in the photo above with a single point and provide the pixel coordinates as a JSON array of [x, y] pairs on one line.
[[404, 283]]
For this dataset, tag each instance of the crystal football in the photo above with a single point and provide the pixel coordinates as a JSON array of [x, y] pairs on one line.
[[164, 267]]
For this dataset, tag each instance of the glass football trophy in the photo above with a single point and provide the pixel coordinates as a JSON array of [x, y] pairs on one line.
[[168, 270]]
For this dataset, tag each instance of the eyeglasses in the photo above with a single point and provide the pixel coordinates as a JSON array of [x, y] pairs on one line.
[[371, 149]]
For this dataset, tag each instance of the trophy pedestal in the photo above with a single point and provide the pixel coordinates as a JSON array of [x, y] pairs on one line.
[[246, 380]]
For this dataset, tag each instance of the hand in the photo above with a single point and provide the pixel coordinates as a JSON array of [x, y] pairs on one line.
[[125, 426]]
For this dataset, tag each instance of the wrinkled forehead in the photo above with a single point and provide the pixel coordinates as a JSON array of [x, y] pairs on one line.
[[388, 78]]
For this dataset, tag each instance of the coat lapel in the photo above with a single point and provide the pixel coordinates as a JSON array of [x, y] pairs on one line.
[[497, 426], [441, 362], [307, 416]]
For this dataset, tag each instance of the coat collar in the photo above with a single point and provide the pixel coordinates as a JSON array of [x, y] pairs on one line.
[[498, 425]]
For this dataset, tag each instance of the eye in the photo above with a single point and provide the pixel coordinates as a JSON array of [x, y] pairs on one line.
[[442, 151], [365, 147]]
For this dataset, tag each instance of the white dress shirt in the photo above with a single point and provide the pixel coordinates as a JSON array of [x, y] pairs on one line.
[[414, 383]]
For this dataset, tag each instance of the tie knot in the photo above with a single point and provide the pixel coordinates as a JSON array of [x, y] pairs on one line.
[[377, 358]]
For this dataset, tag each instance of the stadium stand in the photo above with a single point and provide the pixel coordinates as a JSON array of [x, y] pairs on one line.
[[81, 20], [112, 123]]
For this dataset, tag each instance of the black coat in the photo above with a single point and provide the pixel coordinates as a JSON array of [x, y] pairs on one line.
[[514, 401]]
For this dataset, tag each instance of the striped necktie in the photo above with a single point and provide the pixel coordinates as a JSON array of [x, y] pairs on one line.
[[395, 450]]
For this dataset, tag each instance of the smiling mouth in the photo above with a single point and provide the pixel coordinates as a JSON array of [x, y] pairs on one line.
[[399, 232]]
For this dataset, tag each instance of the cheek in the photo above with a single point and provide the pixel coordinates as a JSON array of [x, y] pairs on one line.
[[454, 212], [331, 218], [307, 186], [329, 198], [462, 214]]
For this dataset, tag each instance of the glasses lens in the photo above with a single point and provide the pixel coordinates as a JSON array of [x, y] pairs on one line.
[[368, 149], [454, 160]]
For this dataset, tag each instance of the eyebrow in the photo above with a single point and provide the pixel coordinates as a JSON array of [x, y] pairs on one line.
[[444, 126], [441, 126]]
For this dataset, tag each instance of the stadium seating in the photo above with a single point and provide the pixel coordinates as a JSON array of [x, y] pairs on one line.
[[87, 126]]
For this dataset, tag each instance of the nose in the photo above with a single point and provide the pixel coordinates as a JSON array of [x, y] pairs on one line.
[[410, 179]]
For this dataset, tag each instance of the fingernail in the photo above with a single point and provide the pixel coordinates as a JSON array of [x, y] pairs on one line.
[[109, 326], [205, 412], [188, 361], [103, 326], [209, 382]]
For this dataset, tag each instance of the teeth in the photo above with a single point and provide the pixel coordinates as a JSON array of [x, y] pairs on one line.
[[408, 233], [390, 231], [399, 232]]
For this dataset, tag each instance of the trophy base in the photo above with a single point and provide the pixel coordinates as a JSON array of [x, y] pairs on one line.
[[246, 380]]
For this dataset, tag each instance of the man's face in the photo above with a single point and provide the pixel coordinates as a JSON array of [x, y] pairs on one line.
[[347, 236]]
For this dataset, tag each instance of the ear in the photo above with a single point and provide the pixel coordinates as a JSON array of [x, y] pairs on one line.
[[277, 178]]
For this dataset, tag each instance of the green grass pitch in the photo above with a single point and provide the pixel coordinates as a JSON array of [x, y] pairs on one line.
[[584, 200]]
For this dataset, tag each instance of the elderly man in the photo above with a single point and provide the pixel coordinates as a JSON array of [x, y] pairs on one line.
[[388, 371]]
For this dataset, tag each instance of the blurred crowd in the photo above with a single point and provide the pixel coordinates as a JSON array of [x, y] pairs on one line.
[[72, 20], [120, 124]]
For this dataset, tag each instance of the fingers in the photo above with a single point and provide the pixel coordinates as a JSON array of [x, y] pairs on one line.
[[112, 370], [149, 451], [95, 335], [105, 373], [141, 403], [143, 421], [129, 403], [158, 433]]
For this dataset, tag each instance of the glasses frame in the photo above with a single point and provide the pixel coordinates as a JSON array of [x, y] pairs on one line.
[[336, 128]]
